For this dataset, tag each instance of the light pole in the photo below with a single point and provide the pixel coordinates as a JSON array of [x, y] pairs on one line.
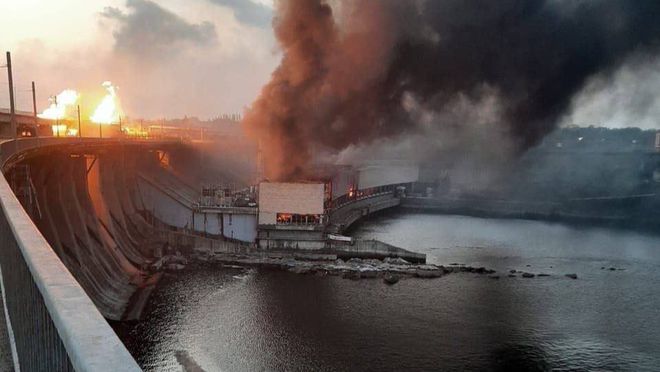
[[12, 109], [57, 118], [34, 105], [79, 128], [34, 113]]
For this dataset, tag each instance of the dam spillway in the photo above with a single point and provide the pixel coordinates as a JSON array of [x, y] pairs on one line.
[[110, 208], [85, 200]]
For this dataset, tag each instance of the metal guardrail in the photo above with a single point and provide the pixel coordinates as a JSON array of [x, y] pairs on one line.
[[53, 324]]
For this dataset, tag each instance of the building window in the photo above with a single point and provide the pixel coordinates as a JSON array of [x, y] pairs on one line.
[[298, 219]]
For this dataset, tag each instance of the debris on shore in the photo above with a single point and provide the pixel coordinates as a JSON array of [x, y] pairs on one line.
[[170, 262], [391, 270]]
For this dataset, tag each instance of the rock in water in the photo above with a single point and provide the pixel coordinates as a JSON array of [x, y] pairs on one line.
[[528, 275], [396, 261], [175, 267], [572, 276], [428, 274], [391, 279]]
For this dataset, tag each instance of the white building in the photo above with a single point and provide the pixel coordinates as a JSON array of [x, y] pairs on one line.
[[291, 203]]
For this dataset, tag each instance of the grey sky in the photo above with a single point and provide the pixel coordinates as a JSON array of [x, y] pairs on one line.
[[148, 30]]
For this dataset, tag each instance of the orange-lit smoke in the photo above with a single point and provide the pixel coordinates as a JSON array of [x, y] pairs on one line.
[[60, 105], [355, 73], [108, 111]]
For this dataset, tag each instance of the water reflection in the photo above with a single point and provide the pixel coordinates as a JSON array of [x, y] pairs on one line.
[[266, 320], [519, 357]]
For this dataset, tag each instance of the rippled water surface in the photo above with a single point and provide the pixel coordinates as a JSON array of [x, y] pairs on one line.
[[224, 320]]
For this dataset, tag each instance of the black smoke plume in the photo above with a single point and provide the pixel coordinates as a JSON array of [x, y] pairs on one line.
[[353, 72]]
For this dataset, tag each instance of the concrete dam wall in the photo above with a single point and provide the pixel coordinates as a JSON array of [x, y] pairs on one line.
[[85, 201]]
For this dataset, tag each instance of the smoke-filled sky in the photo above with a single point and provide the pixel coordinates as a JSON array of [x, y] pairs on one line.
[[170, 58], [208, 57], [373, 74], [351, 78]]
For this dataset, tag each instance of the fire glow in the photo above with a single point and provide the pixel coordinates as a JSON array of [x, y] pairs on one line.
[[60, 105], [107, 112], [63, 107]]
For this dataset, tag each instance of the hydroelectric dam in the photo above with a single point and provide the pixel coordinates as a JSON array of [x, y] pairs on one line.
[[89, 224]]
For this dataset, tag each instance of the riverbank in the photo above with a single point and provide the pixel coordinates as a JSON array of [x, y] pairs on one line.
[[354, 268], [390, 270], [578, 215], [229, 316]]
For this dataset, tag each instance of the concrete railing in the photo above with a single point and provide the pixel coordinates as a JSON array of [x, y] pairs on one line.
[[16, 149], [53, 324], [349, 212]]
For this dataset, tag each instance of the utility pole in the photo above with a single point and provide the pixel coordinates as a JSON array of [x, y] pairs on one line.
[[12, 108], [79, 128], [34, 105], [100, 130], [57, 118], [120, 132], [34, 112]]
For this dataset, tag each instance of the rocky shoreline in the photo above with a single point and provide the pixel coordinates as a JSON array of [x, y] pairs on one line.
[[390, 270]]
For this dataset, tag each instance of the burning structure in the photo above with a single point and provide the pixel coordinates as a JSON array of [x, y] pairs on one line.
[[291, 215], [299, 215]]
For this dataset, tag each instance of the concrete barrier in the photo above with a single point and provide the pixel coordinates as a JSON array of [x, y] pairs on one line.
[[350, 212], [54, 325], [373, 249], [15, 150]]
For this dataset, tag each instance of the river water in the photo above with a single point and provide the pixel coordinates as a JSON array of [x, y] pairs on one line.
[[232, 320]]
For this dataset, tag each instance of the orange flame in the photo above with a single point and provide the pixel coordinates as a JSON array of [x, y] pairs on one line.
[[60, 105], [108, 111]]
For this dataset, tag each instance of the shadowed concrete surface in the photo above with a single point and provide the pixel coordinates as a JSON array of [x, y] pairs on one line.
[[6, 363], [86, 201], [55, 324]]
